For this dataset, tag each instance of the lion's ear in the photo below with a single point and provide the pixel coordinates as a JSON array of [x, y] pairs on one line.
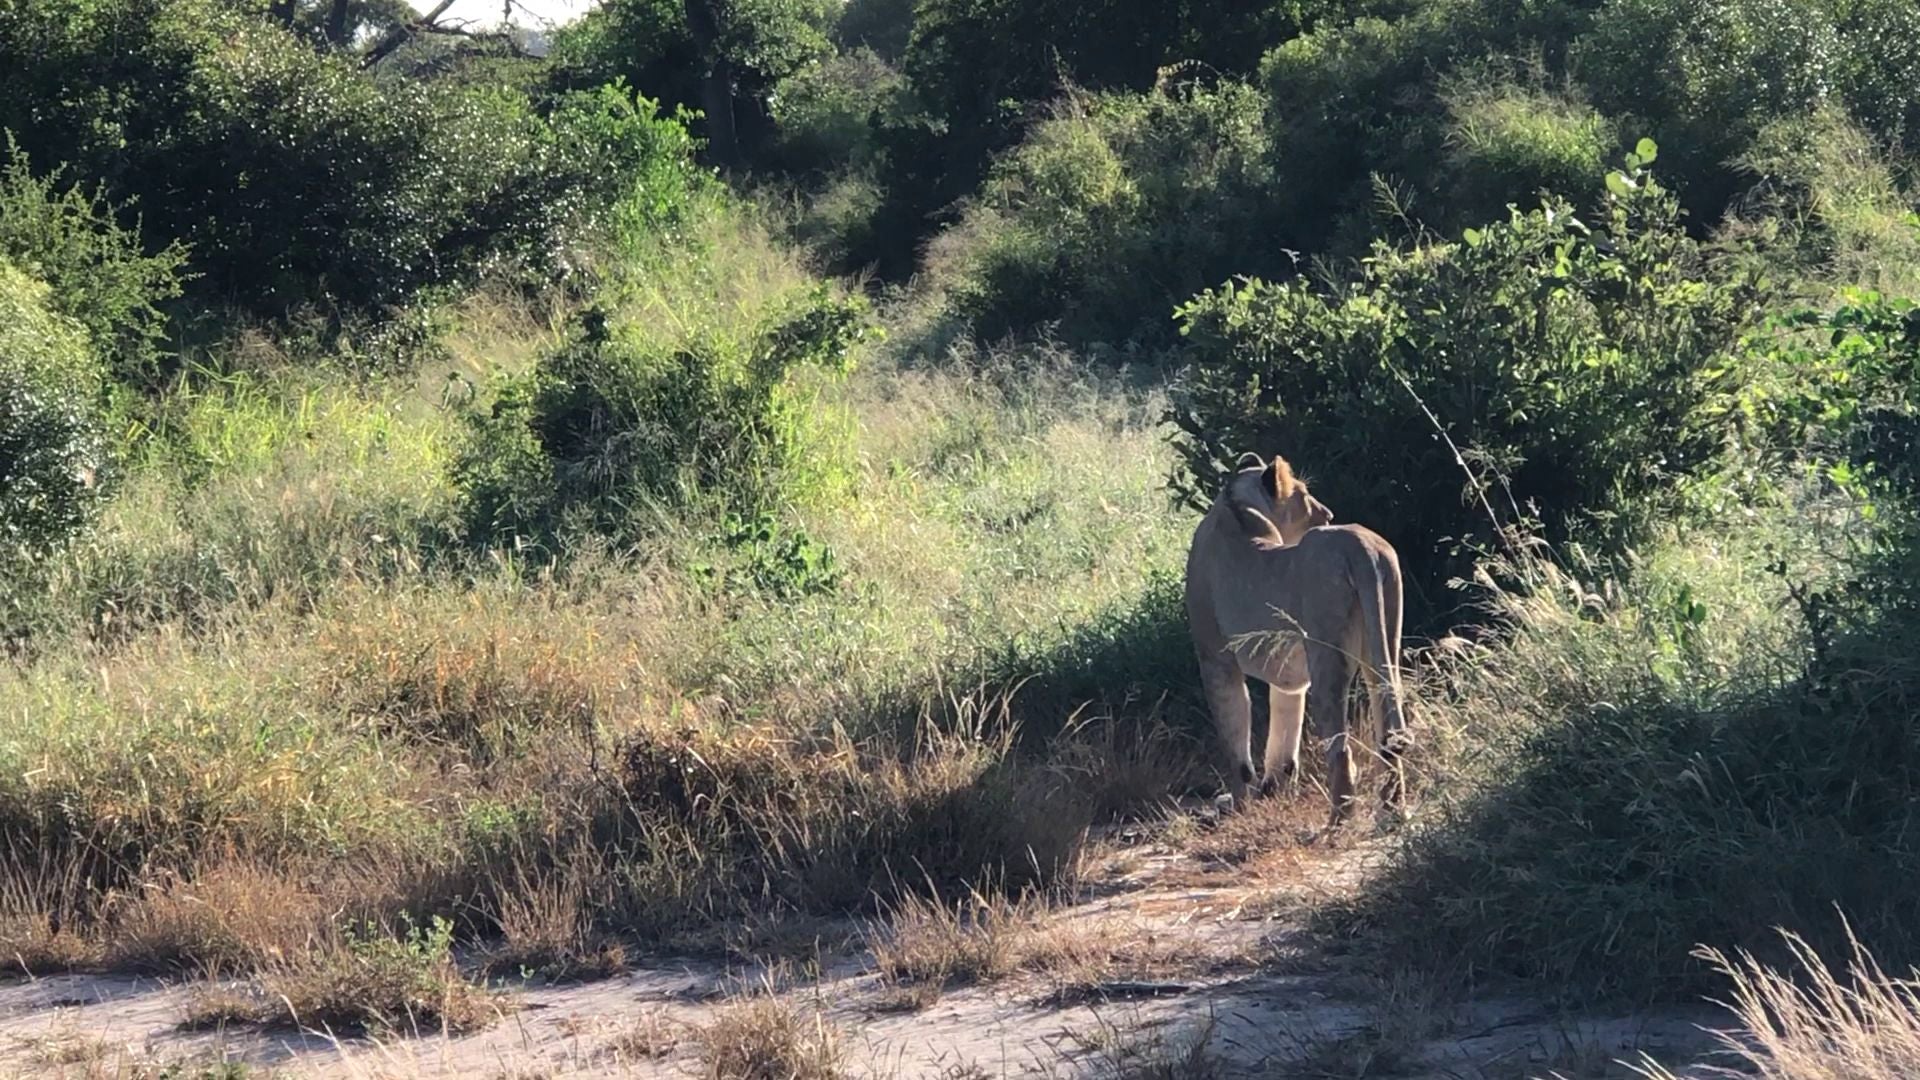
[[1248, 461], [1279, 479]]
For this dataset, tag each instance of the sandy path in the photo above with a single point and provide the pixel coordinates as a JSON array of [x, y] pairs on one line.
[[1268, 1005]]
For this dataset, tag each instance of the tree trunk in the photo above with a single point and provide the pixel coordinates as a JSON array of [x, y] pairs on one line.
[[337, 24], [716, 87]]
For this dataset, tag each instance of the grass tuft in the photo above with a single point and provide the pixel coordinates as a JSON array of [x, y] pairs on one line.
[[1812, 1022], [763, 1039], [365, 981]]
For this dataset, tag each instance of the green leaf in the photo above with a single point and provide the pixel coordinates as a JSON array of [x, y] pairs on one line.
[[1473, 237], [1646, 150], [1618, 183]]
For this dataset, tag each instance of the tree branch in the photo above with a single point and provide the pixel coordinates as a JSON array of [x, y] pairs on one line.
[[399, 35]]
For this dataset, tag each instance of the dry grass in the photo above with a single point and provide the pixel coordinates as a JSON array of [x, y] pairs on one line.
[[547, 929], [646, 1038], [924, 946], [372, 983], [280, 703], [231, 918], [1115, 1051], [72, 1056], [43, 898], [764, 1039], [1816, 1023]]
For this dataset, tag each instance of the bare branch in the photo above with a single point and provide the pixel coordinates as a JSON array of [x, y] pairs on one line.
[[398, 35]]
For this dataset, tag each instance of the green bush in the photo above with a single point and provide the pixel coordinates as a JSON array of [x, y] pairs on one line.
[[1347, 102], [298, 180], [1833, 390], [1827, 205], [52, 444], [749, 48], [983, 72], [1879, 66], [1703, 76], [1707, 755], [828, 113], [1509, 143], [1111, 212], [98, 273], [1369, 106], [1583, 372], [881, 25], [979, 63], [614, 423]]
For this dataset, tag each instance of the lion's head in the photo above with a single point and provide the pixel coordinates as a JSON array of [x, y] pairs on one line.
[[1272, 505]]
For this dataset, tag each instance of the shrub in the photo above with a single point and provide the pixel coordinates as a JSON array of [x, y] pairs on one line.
[[99, 275], [1879, 66], [880, 25], [1583, 373], [376, 982], [1826, 204], [736, 821], [298, 179], [614, 420], [1345, 101], [762, 1039], [827, 113], [1704, 75], [1114, 209], [840, 222], [1696, 752], [1832, 393], [53, 452], [1509, 143], [737, 61], [978, 62]]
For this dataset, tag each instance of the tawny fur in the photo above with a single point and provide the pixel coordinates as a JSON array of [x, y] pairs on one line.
[[1277, 593]]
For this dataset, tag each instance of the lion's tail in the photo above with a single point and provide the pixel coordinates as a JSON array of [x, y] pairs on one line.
[[1380, 603]]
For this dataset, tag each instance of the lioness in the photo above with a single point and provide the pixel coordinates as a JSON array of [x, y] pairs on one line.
[[1266, 573]]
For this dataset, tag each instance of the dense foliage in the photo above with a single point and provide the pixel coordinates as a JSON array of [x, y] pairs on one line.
[[1109, 209], [1380, 121], [98, 271], [616, 423], [1548, 368], [295, 179], [1650, 774], [724, 57], [52, 438]]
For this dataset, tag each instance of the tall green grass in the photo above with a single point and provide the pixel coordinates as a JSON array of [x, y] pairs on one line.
[[1693, 754], [277, 660]]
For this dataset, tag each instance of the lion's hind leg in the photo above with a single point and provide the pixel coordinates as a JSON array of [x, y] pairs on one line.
[[1226, 690], [1330, 673], [1383, 697]]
